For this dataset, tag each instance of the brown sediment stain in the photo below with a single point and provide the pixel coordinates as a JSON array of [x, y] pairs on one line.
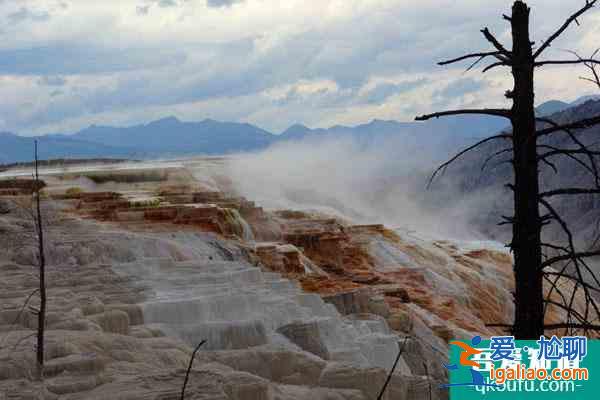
[[328, 256], [490, 256], [323, 285]]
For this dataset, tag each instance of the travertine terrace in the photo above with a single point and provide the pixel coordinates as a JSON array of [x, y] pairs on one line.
[[146, 263]]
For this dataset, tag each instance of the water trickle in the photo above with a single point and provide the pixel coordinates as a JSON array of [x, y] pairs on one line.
[[239, 225]]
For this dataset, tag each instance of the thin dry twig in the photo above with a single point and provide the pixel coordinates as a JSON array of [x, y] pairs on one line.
[[187, 373]]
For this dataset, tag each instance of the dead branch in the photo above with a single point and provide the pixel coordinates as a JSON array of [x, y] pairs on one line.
[[18, 316], [573, 18], [554, 247], [570, 154], [572, 278], [25, 304], [507, 221], [569, 309], [590, 154], [187, 373], [567, 304], [21, 340], [463, 152], [581, 124], [591, 66], [496, 154], [554, 287], [474, 64], [494, 65], [497, 112], [573, 256], [589, 327], [579, 255], [597, 234], [466, 57], [550, 164], [566, 62], [569, 191], [556, 151], [492, 39]]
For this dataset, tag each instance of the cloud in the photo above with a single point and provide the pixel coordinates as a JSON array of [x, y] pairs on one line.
[[461, 87], [65, 59], [144, 9], [167, 3], [25, 14], [52, 81], [383, 91], [320, 62], [222, 3]]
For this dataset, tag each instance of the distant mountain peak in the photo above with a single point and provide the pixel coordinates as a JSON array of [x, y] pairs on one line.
[[296, 129], [551, 107], [299, 125], [166, 121], [378, 121]]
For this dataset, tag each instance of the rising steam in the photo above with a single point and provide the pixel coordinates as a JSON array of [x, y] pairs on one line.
[[383, 182]]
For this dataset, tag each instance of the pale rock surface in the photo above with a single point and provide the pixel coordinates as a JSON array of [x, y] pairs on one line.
[[307, 336], [107, 324]]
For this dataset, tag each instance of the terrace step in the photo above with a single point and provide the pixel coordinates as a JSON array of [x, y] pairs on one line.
[[234, 305]]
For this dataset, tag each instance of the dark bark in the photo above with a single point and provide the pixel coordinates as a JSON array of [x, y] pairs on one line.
[[189, 369], [42, 267], [526, 244]]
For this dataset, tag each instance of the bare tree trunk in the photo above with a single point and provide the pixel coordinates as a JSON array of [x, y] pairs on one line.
[[42, 267], [527, 224], [529, 296]]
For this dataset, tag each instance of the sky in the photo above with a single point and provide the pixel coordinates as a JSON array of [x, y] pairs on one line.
[[67, 64]]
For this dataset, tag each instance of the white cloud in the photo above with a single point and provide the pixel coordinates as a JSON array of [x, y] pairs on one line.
[[317, 62]]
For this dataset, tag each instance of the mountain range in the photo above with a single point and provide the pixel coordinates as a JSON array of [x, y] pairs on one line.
[[172, 137], [555, 106]]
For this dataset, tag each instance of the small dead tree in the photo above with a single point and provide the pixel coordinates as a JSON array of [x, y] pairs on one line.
[[42, 269], [34, 220], [532, 266]]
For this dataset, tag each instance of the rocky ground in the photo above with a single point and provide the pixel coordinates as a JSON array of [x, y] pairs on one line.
[[292, 304]]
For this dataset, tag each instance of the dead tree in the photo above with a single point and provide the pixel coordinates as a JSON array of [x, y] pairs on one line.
[[531, 265], [34, 220], [42, 270]]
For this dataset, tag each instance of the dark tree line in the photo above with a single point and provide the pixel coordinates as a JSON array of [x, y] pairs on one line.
[[537, 263]]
